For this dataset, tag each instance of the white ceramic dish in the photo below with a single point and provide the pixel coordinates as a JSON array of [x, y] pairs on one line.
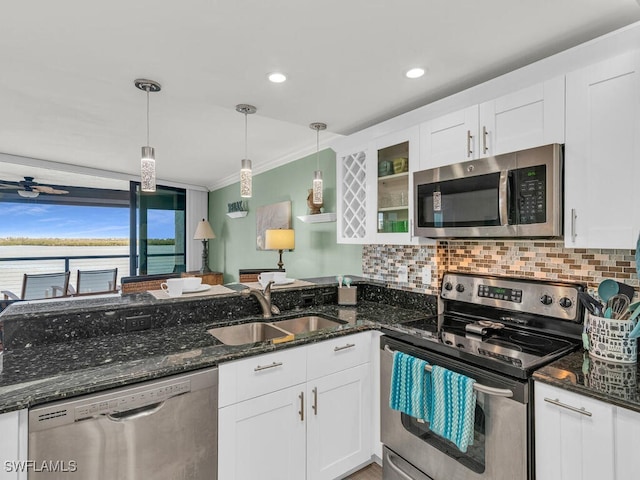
[[286, 281], [201, 288]]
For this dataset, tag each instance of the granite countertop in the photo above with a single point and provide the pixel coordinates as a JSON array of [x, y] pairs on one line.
[[611, 382], [49, 372]]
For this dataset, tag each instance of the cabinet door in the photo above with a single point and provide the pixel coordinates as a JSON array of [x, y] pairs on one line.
[[263, 437], [339, 423], [627, 428], [353, 201], [602, 198], [524, 119], [452, 138], [574, 440], [13, 445]]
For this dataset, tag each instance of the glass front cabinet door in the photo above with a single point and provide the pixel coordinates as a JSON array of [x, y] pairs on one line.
[[395, 158]]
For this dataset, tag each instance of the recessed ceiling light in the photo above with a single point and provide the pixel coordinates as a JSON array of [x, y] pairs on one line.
[[415, 73], [277, 77]]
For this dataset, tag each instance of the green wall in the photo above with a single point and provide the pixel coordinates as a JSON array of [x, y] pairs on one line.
[[316, 252]]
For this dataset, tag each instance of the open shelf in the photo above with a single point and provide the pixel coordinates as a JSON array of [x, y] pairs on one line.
[[318, 218], [237, 214]]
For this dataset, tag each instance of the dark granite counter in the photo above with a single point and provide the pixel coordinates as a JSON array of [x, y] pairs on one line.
[[55, 353], [615, 383]]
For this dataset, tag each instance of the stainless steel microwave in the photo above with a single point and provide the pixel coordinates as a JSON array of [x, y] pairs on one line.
[[512, 195]]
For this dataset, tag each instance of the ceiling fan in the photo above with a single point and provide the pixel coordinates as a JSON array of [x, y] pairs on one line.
[[27, 188]]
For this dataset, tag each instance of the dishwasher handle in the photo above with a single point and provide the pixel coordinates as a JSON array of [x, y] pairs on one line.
[[135, 413]]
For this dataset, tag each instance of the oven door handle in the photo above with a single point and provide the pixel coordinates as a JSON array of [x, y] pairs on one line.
[[478, 387], [396, 468]]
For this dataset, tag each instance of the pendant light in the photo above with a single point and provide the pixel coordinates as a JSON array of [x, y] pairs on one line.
[[245, 164], [317, 175], [148, 161]]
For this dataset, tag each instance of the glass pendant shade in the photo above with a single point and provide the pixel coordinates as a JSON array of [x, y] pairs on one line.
[[317, 187], [245, 178], [148, 170]]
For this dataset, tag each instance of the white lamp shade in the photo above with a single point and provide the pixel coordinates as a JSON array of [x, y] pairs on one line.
[[204, 231], [281, 239]]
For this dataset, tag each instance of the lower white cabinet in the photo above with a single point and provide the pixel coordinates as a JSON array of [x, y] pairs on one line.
[[316, 429], [581, 438], [13, 445]]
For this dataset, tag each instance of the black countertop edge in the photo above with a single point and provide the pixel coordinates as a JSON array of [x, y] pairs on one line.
[[611, 382], [37, 375]]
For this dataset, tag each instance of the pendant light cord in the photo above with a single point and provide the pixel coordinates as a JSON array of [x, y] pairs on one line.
[[317, 149], [245, 135], [147, 89]]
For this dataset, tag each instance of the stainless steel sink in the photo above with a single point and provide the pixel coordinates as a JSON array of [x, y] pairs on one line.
[[309, 323], [254, 332], [247, 333]]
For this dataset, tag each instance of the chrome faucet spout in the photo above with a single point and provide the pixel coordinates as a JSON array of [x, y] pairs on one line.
[[264, 299]]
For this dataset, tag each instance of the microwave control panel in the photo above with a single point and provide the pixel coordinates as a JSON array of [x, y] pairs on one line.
[[531, 203]]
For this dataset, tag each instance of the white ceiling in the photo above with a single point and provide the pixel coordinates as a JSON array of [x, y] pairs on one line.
[[67, 69]]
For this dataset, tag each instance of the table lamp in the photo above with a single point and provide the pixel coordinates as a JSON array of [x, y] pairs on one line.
[[281, 239], [204, 232]]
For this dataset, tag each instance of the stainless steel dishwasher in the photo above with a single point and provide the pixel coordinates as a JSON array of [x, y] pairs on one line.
[[163, 429]]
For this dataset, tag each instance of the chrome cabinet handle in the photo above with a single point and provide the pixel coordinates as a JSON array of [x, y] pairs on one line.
[[469, 137], [580, 410], [301, 411], [485, 149], [397, 469], [573, 224], [315, 401], [265, 367], [344, 347]]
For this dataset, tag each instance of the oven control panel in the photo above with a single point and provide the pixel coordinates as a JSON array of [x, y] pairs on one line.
[[552, 299]]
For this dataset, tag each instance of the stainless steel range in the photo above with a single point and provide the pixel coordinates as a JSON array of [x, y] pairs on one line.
[[496, 330]]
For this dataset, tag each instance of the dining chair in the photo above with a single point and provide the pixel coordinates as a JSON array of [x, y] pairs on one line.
[[90, 282], [41, 285]]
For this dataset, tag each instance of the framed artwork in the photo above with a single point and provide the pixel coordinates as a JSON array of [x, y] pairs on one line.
[[276, 215]]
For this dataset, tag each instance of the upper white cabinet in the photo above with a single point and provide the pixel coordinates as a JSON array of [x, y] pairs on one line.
[[527, 118], [352, 172], [375, 189], [602, 199]]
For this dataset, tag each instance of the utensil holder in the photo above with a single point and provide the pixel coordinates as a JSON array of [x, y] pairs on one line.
[[619, 379], [609, 339], [347, 296]]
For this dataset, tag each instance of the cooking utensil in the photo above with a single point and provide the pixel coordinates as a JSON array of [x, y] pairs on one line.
[[617, 306], [607, 289], [339, 279], [592, 305], [347, 282]]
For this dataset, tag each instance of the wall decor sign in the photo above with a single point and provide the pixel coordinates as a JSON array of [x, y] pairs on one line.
[[276, 215]]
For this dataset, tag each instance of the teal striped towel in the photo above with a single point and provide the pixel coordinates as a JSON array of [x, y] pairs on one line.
[[410, 386], [454, 407]]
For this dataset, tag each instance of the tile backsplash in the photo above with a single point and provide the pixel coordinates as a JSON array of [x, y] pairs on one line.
[[548, 260]]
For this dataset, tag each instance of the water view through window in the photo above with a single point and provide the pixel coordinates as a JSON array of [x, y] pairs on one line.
[[46, 237]]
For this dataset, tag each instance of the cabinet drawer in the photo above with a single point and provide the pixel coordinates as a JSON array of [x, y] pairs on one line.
[[255, 376], [330, 356]]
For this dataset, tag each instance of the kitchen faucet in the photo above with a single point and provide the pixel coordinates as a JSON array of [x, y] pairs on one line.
[[264, 298]]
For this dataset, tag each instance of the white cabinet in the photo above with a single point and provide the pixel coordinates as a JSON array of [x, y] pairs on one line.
[[602, 154], [581, 438], [316, 425], [13, 444], [574, 436], [339, 422], [352, 176], [375, 190], [523, 119]]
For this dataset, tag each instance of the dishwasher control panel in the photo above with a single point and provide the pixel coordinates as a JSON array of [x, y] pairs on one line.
[[131, 401]]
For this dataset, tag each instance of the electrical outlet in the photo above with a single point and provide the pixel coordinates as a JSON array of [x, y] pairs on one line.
[[139, 322], [426, 276], [403, 274]]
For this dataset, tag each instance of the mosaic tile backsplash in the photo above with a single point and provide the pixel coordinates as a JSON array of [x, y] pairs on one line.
[[548, 260]]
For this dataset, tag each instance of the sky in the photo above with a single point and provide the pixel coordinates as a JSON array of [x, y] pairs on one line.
[[65, 221]]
